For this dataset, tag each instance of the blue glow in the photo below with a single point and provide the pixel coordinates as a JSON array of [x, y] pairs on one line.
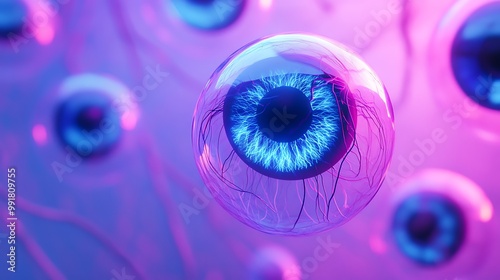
[[475, 56], [12, 13], [87, 124], [428, 228], [308, 155], [209, 14]]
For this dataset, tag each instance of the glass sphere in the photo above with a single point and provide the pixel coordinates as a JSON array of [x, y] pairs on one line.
[[293, 134], [475, 56]]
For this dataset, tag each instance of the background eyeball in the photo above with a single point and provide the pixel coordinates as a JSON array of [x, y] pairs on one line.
[[12, 13], [84, 124], [475, 56], [439, 224], [428, 228], [293, 134], [87, 124], [209, 14], [465, 63]]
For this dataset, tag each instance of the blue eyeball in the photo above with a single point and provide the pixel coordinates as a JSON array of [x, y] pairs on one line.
[[87, 124], [293, 134], [209, 14], [92, 114], [285, 122], [12, 13], [475, 56], [429, 228]]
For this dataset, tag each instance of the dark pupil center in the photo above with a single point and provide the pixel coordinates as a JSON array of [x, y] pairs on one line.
[[490, 55], [284, 114], [422, 227], [89, 118]]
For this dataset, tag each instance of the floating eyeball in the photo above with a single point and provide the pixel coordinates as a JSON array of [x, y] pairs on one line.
[[27, 33], [84, 123], [293, 134], [87, 118], [12, 13], [209, 14], [438, 223], [272, 262], [475, 56], [465, 62], [429, 228]]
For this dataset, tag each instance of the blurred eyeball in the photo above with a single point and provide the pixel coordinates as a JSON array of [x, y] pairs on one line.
[[85, 124], [209, 14], [429, 228], [27, 33], [293, 134], [465, 62], [438, 222], [475, 56], [12, 13]]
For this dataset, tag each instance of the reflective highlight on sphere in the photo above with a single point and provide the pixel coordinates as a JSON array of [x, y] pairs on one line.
[[209, 14], [429, 228], [87, 124], [293, 134], [12, 13], [475, 56]]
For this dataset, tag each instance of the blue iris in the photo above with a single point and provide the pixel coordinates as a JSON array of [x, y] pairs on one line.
[[209, 14], [429, 228], [475, 56], [87, 124], [289, 126], [12, 13]]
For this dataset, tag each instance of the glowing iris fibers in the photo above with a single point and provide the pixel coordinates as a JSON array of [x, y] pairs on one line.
[[328, 125], [429, 228]]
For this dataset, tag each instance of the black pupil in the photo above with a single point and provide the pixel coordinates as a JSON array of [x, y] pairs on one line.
[[490, 55], [90, 118], [423, 227], [284, 114]]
